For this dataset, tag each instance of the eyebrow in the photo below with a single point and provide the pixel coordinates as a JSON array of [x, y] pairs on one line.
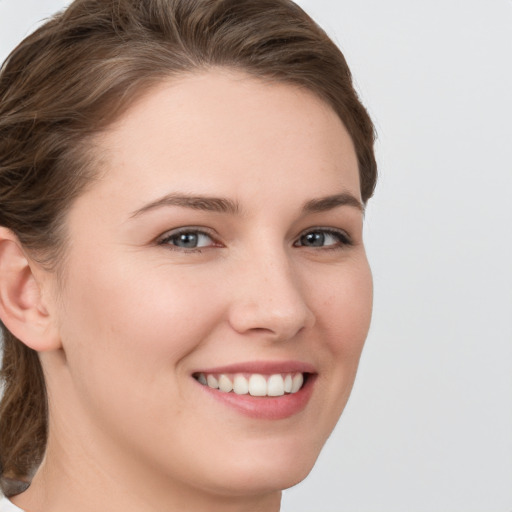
[[328, 203], [204, 203], [223, 205]]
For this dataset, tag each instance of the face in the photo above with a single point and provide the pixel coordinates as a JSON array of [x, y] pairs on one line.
[[220, 246]]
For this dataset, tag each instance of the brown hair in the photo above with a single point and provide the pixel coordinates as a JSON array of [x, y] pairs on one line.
[[74, 76]]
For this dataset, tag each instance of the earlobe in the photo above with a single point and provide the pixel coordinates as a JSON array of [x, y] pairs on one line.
[[22, 309]]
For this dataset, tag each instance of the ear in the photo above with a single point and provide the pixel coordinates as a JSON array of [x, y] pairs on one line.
[[22, 308]]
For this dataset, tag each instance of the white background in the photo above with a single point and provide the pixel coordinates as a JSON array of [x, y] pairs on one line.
[[429, 424]]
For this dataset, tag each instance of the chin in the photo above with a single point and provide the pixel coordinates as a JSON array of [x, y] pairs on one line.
[[267, 471], [266, 481]]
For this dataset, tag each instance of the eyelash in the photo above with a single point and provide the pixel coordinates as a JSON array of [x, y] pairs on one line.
[[343, 239]]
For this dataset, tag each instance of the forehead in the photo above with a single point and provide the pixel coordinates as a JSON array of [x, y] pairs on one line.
[[212, 128]]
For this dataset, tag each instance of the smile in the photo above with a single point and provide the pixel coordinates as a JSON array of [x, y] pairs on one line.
[[254, 384]]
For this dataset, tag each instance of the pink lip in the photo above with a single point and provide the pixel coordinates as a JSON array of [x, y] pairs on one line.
[[262, 367], [266, 408]]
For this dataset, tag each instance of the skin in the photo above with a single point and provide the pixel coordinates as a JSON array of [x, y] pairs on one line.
[[135, 315]]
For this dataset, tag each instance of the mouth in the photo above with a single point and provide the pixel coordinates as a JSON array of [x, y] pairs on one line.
[[269, 391], [254, 384]]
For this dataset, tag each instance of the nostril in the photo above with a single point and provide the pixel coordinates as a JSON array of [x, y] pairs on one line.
[[274, 307]]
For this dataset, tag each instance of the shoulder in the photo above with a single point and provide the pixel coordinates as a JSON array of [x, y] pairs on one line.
[[7, 506]]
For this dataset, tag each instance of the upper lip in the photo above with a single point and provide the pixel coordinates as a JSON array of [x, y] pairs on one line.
[[262, 367]]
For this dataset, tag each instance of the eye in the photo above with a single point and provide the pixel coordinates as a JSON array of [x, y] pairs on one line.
[[187, 239], [321, 237]]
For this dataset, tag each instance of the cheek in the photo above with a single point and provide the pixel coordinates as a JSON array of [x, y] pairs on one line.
[[127, 336], [345, 309], [117, 318], [343, 319]]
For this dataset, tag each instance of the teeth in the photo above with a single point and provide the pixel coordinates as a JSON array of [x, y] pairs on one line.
[[225, 384], [298, 380], [288, 381], [240, 385], [212, 382], [255, 384], [275, 385]]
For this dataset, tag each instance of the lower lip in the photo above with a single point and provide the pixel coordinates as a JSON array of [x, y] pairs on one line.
[[266, 408]]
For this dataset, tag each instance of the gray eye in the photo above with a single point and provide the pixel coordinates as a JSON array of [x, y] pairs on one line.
[[321, 238], [188, 240], [316, 239]]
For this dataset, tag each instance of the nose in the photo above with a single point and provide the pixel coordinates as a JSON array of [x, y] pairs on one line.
[[269, 299]]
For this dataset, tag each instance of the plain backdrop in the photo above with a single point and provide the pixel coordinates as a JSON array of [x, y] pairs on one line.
[[429, 425]]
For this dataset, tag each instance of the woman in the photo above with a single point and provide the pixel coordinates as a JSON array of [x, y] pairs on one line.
[[184, 288]]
